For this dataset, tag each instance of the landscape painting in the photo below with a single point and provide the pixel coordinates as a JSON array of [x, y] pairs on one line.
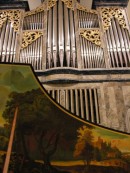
[[46, 138]]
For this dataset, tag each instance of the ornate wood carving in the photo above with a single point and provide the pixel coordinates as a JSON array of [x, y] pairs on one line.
[[109, 13], [92, 35], [68, 3], [13, 16], [29, 37], [51, 3]]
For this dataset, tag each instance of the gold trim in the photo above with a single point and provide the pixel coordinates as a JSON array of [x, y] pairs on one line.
[[3, 17], [109, 13], [92, 35], [68, 3], [51, 3], [82, 8], [35, 11], [29, 37], [41, 8], [13, 16]]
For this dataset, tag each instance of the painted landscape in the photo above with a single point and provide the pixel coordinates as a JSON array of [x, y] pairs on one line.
[[49, 140]]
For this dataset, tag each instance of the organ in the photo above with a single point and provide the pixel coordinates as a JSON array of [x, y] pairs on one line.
[[81, 56]]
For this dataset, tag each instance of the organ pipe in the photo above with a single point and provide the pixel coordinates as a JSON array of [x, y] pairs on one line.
[[82, 102], [61, 33], [67, 35], [92, 55], [77, 103], [61, 43], [8, 43], [118, 50], [49, 36], [72, 38], [55, 35], [96, 106], [7, 30]]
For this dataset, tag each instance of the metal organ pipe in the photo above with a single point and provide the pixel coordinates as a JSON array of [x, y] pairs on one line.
[[127, 43], [61, 33], [114, 46], [118, 43], [55, 35], [9, 44], [5, 42], [122, 44], [72, 38], [84, 54], [49, 43], [2, 40], [67, 36], [113, 58]]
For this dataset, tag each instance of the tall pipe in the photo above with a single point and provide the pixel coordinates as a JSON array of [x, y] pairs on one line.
[[114, 50], [122, 41], [2, 36], [86, 105], [61, 33], [81, 103], [67, 36], [55, 35], [49, 38], [117, 43], [5, 42], [77, 102], [9, 44], [72, 38]]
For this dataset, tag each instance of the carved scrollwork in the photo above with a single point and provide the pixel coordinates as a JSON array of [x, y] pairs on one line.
[[13, 16], [35, 11], [82, 8], [92, 36], [68, 3], [51, 3], [3, 17], [109, 13], [29, 37]]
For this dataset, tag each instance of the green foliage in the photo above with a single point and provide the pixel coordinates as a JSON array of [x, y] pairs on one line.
[[90, 150], [3, 142], [84, 146], [4, 138], [40, 122]]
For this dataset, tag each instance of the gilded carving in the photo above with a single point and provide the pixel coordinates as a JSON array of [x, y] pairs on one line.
[[68, 3], [3, 17], [51, 3], [92, 36], [29, 37], [35, 11], [41, 8], [13, 16], [109, 13], [82, 8]]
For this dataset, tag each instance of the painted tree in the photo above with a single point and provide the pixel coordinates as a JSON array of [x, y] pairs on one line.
[[41, 128], [84, 146]]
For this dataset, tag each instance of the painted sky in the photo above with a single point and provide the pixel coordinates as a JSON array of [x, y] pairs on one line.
[[13, 78], [120, 140]]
